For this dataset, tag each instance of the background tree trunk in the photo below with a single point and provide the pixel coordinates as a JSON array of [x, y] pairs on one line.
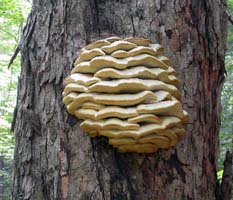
[[54, 159]]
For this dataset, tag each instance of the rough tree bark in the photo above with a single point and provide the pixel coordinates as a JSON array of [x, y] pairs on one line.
[[54, 159]]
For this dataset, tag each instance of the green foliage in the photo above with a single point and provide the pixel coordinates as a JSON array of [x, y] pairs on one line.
[[5, 177], [219, 175], [226, 132], [10, 21], [230, 27], [12, 16], [11, 11], [230, 7]]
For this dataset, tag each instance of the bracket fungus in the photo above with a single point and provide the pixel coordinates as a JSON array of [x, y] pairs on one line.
[[126, 90]]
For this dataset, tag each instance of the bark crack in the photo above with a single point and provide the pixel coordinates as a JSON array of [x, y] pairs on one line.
[[122, 166], [132, 21], [49, 25], [95, 15], [98, 170]]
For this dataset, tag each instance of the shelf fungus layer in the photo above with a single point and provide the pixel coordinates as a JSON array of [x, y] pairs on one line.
[[127, 91]]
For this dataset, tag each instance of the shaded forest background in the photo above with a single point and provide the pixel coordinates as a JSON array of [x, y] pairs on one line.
[[13, 15]]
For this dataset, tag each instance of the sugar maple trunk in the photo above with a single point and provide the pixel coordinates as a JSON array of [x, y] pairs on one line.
[[54, 159]]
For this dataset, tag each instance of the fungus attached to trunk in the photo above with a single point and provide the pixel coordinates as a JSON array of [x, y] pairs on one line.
[[127, 91]]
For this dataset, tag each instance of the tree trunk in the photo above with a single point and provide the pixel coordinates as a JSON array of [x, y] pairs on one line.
[[227, 178], [54, 159]]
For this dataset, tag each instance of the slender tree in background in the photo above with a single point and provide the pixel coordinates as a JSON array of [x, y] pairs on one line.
[[54, 159]]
